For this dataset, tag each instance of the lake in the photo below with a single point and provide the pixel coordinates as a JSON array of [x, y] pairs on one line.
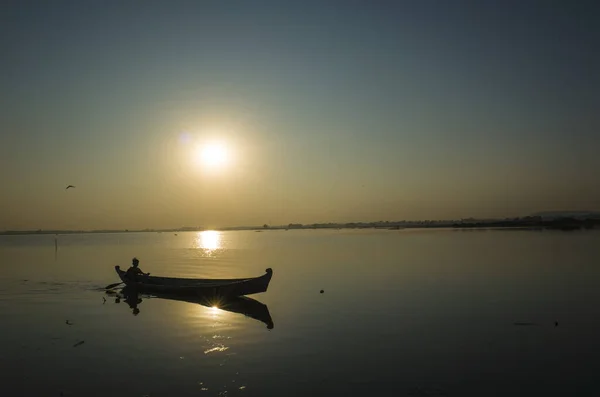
[[404, 313]]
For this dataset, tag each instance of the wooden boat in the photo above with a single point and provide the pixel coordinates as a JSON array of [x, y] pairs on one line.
[[237, 304], [198, 287]]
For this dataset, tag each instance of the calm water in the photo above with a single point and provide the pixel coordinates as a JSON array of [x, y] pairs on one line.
[[404, 313]]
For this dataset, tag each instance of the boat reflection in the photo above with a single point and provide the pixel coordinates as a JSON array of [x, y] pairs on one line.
[[241, 305]]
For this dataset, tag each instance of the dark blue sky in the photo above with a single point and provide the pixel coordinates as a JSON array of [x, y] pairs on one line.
[[336, 110]]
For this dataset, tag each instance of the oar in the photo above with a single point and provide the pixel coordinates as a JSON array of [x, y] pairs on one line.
[[112, 285]]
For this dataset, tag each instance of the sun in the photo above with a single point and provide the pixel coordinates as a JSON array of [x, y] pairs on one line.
[[213, 155]]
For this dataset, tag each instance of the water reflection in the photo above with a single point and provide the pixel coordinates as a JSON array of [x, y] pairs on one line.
[[241, 305], [208, 240], [132, 299]]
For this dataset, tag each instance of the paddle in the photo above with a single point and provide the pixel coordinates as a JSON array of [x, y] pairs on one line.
[[112, 285]]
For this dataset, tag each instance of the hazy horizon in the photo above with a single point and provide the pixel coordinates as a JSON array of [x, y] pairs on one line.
[[338, 111], [550, 214]]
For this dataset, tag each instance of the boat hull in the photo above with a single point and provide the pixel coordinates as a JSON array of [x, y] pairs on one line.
[[198, 287]]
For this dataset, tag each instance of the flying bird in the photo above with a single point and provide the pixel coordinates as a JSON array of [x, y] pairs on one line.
[[69, 187]]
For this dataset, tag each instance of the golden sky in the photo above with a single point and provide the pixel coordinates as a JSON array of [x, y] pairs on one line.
[[327, 114]]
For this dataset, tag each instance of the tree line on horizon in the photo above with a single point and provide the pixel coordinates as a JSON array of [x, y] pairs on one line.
[[533, 221]]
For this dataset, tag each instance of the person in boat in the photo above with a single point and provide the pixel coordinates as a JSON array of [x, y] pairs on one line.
[[134, 270]]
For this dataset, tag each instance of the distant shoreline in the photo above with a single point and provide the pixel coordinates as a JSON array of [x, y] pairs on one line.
[[516, 223]]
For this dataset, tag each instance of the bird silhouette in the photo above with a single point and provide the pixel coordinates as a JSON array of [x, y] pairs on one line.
[[69, 187]]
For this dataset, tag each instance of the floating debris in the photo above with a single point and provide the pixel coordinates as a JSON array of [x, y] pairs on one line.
[[79, 343], [68, 323], [556, 323], [322, 291], [103, 300]]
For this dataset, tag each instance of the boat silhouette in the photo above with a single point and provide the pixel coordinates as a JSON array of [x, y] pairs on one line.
[[196, 286], [242, 304]]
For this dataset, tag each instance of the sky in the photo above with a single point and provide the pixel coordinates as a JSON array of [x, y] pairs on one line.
[[330, 111]]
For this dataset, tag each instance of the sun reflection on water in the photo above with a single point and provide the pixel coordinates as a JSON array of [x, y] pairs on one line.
[[208, 240], [214, 310]]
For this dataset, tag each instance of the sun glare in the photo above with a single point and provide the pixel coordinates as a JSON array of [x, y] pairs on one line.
[[214, 311], [213, 155], [209, 240]]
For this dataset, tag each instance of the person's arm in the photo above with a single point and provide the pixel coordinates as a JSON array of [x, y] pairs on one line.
[[139, 271]]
